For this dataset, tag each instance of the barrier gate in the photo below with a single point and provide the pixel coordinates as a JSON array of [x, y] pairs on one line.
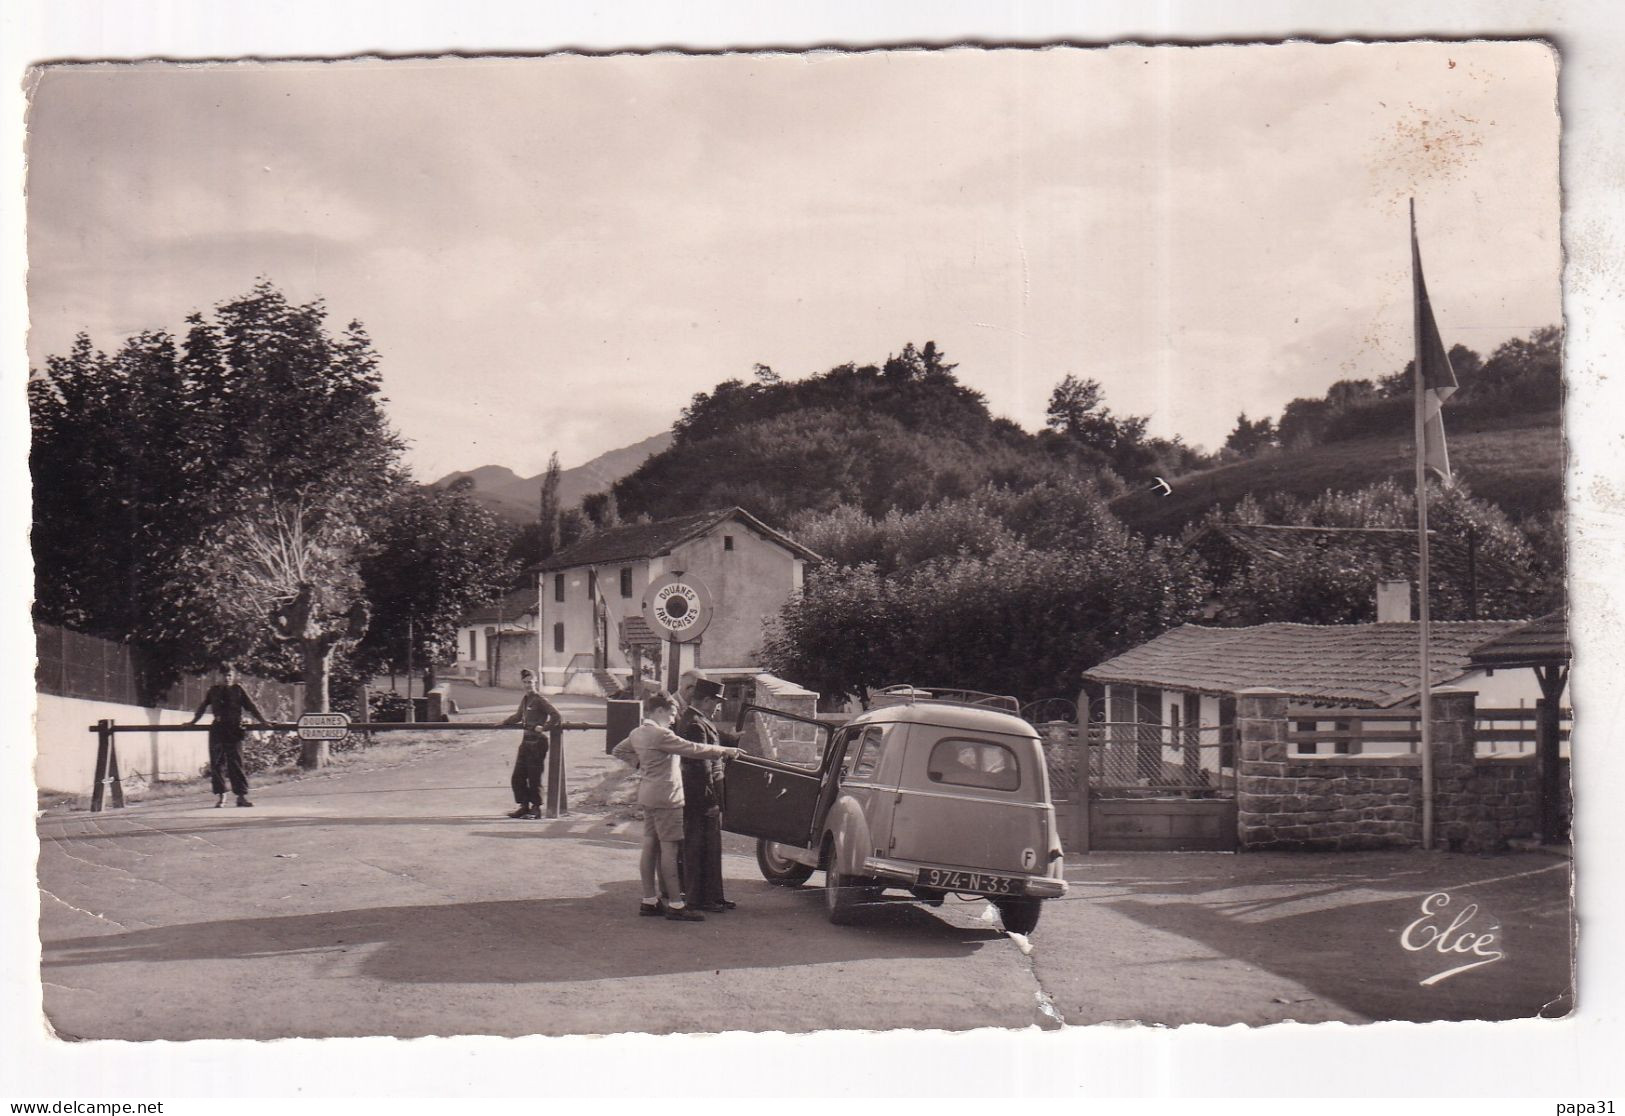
[[327, 726], [1123, 786]]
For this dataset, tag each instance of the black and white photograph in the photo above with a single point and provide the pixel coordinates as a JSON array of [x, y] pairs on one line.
[[1057, 539]]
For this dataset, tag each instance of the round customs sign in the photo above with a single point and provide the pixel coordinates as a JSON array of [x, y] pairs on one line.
[[677, 607]]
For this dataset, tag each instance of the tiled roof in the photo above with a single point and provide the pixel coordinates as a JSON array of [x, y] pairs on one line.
[[646, 540], [635, 632], [515, 604], [1391, 549], [1543, 642], [1369, 665]]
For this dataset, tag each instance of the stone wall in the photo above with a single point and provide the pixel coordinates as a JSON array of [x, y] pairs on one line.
[[1360, 802], [1303, 802], [508, 654]]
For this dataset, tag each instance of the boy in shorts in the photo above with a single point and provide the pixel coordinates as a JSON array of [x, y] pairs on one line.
[[654, 749]]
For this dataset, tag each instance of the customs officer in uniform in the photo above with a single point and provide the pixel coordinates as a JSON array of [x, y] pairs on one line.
[[702, 795]]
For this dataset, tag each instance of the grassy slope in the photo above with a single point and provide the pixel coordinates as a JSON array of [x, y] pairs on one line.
[[1517, 463]]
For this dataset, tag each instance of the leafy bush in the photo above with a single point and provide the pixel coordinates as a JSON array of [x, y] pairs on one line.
[[1016, 592], [387, 705]]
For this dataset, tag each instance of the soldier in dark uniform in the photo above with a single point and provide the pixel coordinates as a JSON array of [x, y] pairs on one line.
[[227, 700], [538, 715], [702, 796]]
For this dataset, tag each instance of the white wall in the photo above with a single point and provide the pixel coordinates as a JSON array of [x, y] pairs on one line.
[[66, 757], [1505, 689]]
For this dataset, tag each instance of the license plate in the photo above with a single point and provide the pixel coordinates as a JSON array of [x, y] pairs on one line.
[[970, 881]]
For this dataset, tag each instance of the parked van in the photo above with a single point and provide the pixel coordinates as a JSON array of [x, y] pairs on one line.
[[932, 794]]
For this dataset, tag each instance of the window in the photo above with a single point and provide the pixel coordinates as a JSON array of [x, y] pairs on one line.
[[558, 587], [973, 763], [473, 643], [866, 764], [626, 581], [727, 542], [558, 638]]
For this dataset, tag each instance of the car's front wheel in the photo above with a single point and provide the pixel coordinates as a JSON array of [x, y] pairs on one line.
[[778, 868], [1020, 916]]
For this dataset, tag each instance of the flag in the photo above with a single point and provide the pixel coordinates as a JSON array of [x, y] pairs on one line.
[[1437, 379]]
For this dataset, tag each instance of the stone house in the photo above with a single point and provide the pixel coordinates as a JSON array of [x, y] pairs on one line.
[[1315, 731], [1191, 674], [493, 633], [592, 636]]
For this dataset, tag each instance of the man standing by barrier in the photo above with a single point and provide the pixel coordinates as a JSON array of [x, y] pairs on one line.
[[538, 715], [702, 795], [227, 700]]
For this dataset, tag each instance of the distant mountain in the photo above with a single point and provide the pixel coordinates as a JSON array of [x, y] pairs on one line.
[[514, 497], [1515, 461]]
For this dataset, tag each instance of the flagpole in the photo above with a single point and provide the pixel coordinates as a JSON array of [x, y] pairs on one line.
[[1422, 541]]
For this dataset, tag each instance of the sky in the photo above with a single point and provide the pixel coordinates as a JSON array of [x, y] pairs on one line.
[[556, 253]]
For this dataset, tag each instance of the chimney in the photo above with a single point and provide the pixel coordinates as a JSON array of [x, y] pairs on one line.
[[1393, 602]]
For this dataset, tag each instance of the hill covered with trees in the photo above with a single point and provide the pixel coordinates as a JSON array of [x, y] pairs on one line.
[[900, 435], [1503, 426]]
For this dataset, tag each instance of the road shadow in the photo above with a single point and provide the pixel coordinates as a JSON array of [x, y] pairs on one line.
[[541, 941], [242, 822], [1339, 934]]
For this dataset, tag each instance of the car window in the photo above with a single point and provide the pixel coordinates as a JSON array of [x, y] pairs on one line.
[[868, 751], [779, 738], [973, 763]]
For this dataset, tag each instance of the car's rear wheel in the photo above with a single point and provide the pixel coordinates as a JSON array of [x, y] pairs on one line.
[[778, 868], [1020, 916], [843, 895]]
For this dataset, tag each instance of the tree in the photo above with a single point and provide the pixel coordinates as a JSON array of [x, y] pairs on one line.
[[913, 364], [1019, 621], [1249, 437], [169, 476], [1071, 405], [436, 555], [1074, 410], [1014, 590], [277, 570], [601, 509], [548, 510], [1515, 571]]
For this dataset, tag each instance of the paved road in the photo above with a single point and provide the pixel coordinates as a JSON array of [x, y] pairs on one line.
[[391, 897], [399, 901]]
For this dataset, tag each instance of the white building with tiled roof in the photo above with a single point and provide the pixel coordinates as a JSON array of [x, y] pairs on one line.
[[592, 634], [1189, 676], [477, 632]]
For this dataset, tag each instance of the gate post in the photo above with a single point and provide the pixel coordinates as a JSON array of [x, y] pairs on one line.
[[1261, 727], [1080, 783], [104, 742], [555, 772]]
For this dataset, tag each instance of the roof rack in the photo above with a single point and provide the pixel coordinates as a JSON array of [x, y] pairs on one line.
[[946, 695]]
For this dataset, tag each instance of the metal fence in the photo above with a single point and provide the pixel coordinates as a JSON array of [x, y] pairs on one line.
[[1129, 759], [75, 665]]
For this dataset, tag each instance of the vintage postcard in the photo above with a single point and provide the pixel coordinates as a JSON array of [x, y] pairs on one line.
[[809, 541]]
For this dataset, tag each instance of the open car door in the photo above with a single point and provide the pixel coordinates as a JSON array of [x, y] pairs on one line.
[[774, 790]]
